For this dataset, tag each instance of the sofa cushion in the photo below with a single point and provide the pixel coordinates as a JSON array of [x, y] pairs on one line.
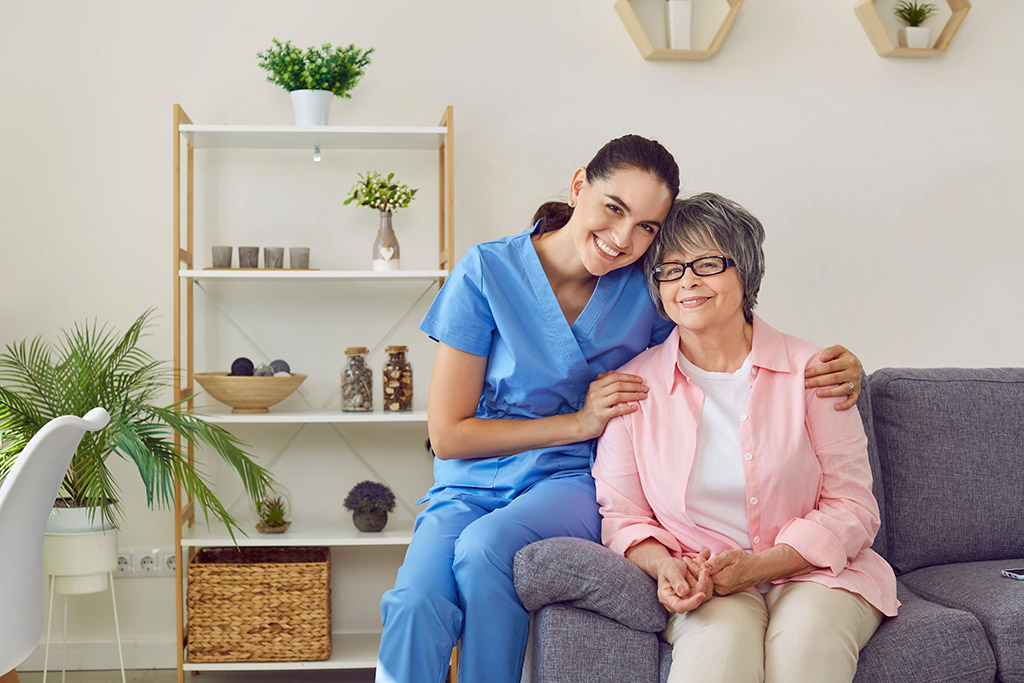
[[866, 416], [585, 574], [950, 440], [572, 645], [997, 602], [926, 643]]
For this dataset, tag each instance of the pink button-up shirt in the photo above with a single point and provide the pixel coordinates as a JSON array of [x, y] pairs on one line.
[[805, 465]]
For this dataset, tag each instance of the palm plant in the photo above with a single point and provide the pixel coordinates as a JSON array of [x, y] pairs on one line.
[[93, 366], [914, 13]]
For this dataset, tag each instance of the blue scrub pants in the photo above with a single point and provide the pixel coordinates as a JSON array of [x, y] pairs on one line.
[[456, 581]]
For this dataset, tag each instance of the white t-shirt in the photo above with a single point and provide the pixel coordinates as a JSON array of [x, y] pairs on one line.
[[716, 496]]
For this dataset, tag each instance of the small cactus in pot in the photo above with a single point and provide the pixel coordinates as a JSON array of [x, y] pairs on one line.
[[273, 512]]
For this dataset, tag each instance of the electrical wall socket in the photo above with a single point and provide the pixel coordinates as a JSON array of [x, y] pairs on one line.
[[145, 562]]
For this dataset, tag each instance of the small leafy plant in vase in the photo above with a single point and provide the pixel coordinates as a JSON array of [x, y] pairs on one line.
[[272, 513], [370, 503], [314, 76], [383, 193], [913, 14]]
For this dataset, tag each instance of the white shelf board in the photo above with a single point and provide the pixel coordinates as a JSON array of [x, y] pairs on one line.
[[274, 274], [333, 533], [227, 136], [221, 415], [348, 651]]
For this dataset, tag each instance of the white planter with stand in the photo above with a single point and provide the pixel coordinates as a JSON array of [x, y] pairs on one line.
[[678, 21], [312, 107], [79, 556], [915, 36]]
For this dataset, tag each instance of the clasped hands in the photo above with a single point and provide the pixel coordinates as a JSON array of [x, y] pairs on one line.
[[684, 584]]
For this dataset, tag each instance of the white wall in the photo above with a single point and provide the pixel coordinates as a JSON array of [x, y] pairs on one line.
[[887, 186]]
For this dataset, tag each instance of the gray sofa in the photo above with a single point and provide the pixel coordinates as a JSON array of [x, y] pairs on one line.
[[947, 453]]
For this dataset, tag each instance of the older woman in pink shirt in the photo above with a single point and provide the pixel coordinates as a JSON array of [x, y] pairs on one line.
[[744, 494]]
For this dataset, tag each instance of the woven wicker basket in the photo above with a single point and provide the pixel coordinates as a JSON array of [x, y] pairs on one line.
[[259, 605]]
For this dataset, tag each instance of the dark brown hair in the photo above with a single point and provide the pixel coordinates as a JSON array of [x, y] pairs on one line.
[[629, 151]]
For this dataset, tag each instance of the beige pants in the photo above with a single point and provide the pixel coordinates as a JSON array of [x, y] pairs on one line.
[[799, 631]]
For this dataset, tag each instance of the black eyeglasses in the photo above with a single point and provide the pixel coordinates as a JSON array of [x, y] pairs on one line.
[[670, 271]]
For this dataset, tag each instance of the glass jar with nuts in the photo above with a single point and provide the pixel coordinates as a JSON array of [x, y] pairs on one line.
[[397, 380], [356, 382]]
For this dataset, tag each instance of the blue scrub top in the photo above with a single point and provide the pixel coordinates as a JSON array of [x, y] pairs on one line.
[[498, 302]]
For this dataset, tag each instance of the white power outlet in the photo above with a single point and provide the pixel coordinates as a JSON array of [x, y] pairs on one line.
[[125, 563], [144, 562], [148, 562]]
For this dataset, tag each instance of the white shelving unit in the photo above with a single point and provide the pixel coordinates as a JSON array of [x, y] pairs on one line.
[[350, 650]]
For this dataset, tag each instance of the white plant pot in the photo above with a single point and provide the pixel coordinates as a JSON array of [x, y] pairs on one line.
[[80, 562], [678, 21], [915, 36], [75, 521], [312, 107]]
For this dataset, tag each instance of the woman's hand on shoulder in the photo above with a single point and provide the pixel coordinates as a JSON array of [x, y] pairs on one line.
[[684, 584], [838, 374], [610, 395]]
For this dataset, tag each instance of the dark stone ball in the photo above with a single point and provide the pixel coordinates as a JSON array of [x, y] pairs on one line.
[[280, 366], [242, 367]]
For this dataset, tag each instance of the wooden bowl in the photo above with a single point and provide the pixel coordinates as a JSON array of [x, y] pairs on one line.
[[248, 394]]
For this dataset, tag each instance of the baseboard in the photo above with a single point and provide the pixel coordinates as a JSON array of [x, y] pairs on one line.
[[101, 656]]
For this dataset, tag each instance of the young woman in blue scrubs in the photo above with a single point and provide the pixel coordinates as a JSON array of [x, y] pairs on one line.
[[530, 328]]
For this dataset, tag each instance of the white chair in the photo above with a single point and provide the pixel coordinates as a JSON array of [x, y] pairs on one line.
[[26, 497]]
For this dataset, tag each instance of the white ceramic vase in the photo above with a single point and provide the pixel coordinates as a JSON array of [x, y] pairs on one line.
[[386, 252], [678, 20], [915, 36], [312, 107]]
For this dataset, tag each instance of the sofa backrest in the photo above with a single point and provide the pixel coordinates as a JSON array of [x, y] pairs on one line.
[[951, 449], [866, 416]]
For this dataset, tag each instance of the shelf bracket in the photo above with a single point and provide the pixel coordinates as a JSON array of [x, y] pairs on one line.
[[316, 153]]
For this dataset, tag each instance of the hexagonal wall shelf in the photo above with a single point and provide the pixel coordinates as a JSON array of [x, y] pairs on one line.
[[882, 39], [646, 47]]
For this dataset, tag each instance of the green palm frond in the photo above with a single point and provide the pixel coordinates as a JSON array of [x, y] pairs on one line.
[[94, 366]]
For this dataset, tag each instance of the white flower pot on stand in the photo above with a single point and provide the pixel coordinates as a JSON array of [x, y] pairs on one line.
[[312, 107], [915, 36], [79, 563], [678, 20]]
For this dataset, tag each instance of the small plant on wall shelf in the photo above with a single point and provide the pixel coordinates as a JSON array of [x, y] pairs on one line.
[[337, 69], [914, 13], [377, 192]]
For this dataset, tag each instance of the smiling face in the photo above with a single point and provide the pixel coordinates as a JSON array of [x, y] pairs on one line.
[[703, 304], [616, 218]]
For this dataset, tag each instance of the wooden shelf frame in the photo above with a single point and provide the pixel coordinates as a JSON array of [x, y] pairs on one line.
[[187, 136], [646, 47], [882, 41]]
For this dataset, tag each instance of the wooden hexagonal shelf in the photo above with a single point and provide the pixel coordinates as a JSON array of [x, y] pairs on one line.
[[646, 46], [882, 39]]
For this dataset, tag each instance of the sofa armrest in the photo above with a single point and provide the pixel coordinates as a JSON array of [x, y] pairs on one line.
[[587, 575]]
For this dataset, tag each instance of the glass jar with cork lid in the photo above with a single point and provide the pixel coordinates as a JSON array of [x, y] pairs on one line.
[[356, 381], [397, 380]]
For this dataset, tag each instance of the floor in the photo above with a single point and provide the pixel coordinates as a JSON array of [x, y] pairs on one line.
[[169, 676]]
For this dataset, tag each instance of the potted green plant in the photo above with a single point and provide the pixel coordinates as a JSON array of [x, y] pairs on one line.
[[314, 76], [93, 366], [370, 503], [273, 514], [387, 196], [913, 14]]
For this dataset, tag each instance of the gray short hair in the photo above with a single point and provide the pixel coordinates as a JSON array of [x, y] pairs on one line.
[[710, 221]]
